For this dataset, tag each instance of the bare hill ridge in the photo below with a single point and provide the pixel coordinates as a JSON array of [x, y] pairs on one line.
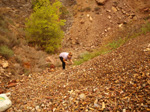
[[116, 81]]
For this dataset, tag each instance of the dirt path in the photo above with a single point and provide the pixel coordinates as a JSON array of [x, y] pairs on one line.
[[116, 81]]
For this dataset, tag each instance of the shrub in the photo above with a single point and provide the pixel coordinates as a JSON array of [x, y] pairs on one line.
[[146, 28], [4, 40], [13, 41], [44, 25], [116, 44], [3, 25], [7, 37], [6, 52], [9, 40], [65, 12]]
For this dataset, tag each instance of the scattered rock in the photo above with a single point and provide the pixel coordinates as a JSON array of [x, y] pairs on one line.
[[52, 66], [12, 81], [11, 85], [100, 2], [51, 70], [107, 82], [120, 25], [91, 19], [114, 9], [82, 96], [103, 105], [82, 21], [1, 91], [147, 49], [4, 64]]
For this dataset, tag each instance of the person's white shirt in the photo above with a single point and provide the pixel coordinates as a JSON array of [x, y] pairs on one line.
[[64, 55]]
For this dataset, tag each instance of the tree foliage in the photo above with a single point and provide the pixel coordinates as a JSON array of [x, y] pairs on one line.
[[44, 25]]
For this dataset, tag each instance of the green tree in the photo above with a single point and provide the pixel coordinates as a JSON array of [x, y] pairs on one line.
[[44, 25]]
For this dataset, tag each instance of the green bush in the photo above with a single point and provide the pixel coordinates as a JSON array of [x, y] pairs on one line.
[[44, 25], [146, 28], [6, 51]]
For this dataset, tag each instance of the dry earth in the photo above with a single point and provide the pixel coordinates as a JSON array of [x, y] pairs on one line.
[[118, 81], [93, 23], [113, 82]]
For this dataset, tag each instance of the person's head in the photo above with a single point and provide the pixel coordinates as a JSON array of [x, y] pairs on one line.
[[69, 55]]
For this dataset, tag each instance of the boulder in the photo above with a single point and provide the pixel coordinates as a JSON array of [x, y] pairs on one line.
[[91, 19], [1, 91], [4, 64], [11, 85], [82, 96], [82, 21], [52, 66], [114, 9], [100, 2]]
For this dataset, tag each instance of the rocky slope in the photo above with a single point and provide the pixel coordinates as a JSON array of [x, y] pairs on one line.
[[93, 23], [117, 81]]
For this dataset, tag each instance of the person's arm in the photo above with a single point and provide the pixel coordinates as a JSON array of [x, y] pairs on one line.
[[65, 61], [71, 61]]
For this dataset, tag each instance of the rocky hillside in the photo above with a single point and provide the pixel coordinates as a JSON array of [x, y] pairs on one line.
[[12, 21], [116, 81], [97, 20]]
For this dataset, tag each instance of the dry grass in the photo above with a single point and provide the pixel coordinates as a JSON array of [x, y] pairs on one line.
[[6, 52]]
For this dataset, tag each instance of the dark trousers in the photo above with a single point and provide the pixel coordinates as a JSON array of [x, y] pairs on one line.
[[63, 63]]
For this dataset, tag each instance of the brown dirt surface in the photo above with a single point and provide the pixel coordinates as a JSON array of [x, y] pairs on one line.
[[116, 81], [93, 24], [120, 80]]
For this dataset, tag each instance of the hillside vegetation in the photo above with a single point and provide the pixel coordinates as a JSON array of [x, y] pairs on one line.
[[110, 42], [44, 25]]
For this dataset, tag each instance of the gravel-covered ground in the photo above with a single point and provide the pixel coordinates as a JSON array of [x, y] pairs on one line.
[[116, 81]]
